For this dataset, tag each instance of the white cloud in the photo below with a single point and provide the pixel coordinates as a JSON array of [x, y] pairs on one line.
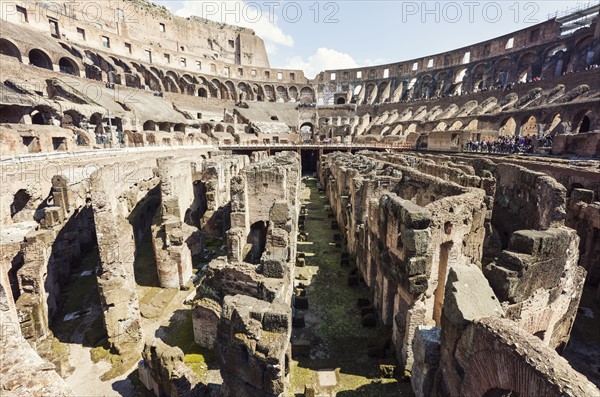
[[240, 13], [327, 59]]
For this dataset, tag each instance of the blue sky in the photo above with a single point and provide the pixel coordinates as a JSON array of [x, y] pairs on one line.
[[317, 35]]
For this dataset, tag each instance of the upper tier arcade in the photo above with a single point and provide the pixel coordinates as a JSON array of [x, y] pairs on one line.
[[542, 51]]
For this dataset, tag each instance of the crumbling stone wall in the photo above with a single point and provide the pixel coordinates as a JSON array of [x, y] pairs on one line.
[[172, 236], [162, 371], [484, 354], [20, 362], [406, 229], [243, 306], [583, 215], [211, 209], [114, 200], [252, 347]]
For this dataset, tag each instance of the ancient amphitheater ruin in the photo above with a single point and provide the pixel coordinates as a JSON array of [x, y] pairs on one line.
[[180, 219]]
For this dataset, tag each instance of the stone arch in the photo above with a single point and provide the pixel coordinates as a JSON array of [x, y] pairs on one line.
[[441, 126], [456, 126], [40, 59], [586, 52], [164, 126], [133, 80], [172, 74], [507, 373], [258, 92], [502, 71], [269, 93], [340, 101], [8, 48], [230, 129], [426, 87], [170, 84], [526, 70], [219, 128], [206, 129], [459, 78], [71, 118], [370, 88], [202, 92], [121, 64], [149, 126], [282, 94], [41, 115], [554, 61], [529, 125], [114, 77], [479, 78], [257, 238], [217, 89], [293, 94], [12, 114], [307, 95], [441, 81], [245, 93], [68, 66], [231, 91], [584, 121], [508, 126]]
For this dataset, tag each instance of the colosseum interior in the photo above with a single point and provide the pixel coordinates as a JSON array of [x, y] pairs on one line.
[[180, 219]]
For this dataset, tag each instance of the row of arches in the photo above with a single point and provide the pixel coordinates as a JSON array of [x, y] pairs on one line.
[[533, 125], [137, 75], [40, 58], [551, 61]]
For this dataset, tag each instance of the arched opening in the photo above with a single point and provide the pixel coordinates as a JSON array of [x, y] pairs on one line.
[[529, 126], [502, 72], [40, 59], [40, 117], [509, 127], [458, 81], [71, 118], [20, 201], [219, 128], [12, 114], [583, 121], [164, 126], [9, 49], [306, 132], [149, 126], [68, 66], [256, 241], [340, 101], [585, 124], [179, 127], [307, 95], [203, 93]]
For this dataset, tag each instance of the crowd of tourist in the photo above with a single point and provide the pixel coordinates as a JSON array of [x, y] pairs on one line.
[[507, 144]]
